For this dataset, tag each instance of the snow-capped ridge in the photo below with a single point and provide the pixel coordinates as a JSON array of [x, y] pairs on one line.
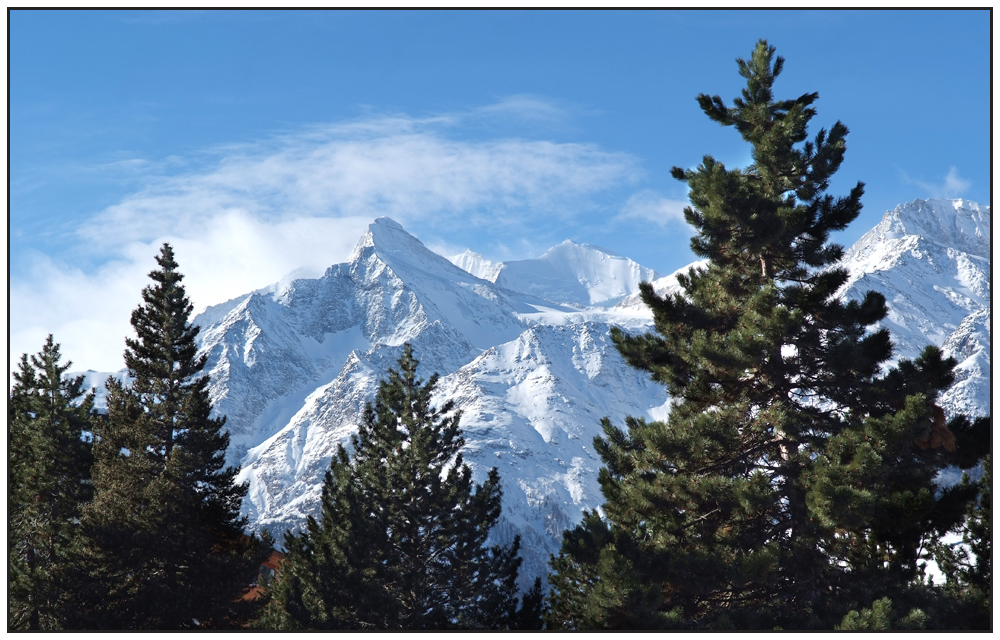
[[665, 286], [580, 274], [931, 261], [477, 265], [567, 248], [970, 345], [381, 232], [403, 253], [959, 224], [523, 349], [583, 275]]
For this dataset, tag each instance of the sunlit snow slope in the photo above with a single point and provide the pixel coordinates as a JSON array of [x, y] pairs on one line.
[[931, 261], [292, 366], [523, 350]]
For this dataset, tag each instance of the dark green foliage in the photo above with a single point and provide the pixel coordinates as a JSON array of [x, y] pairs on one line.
[[168, 549], [531, 615], [401, 540], [968, 568], [48, 479], [881, 617], [793, 480]]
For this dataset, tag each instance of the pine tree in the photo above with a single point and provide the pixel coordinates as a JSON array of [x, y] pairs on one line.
[[169, 550], [968, 567], [401, 540], [49, 429], [793, 479]]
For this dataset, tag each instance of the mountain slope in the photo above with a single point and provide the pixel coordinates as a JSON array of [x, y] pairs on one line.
[[523, 350], [568, 273], [931, 261], [477, 265], [530, 407], [579, 274], [292, 365]]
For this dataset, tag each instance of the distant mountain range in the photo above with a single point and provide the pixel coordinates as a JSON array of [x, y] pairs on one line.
[[523, 349]]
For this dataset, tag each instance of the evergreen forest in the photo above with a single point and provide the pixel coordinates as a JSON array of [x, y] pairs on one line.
[[791, 487]]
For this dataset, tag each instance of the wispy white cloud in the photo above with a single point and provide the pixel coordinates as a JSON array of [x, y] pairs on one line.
[[526, 107], [87, 312], [254, 212], [953, 186], [652, 207], [232, 254], [403, 168]]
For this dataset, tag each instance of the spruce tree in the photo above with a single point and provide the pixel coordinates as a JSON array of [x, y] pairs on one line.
[[793, 481], [168, 548], [401, 539], [48, 480]]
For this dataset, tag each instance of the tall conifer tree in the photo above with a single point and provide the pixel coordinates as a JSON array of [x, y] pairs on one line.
[[401, 541], [169, 548], [793, 480], [48, 480]]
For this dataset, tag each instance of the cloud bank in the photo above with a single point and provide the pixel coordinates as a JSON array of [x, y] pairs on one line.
[[251, 213]]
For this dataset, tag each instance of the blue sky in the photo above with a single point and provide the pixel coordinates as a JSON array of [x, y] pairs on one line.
[[260, 142]]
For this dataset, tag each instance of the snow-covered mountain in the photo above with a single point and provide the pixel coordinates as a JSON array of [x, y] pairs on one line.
[[578, 274], [523, 350], [292, 366], [931, 261]]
